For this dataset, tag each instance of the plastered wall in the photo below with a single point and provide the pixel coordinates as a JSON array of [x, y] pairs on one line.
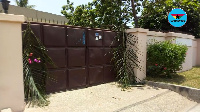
[[198, 52], [11, 66]]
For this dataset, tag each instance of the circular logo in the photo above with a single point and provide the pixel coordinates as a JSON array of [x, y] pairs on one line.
[[177, 17]]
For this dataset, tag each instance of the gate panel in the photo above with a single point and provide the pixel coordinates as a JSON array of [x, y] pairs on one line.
[[95, 38], [109, 39], [57, 81], [96, 75], [76, 57], [58, 56], [36, 29], [109, 74], [107, 55], [96, 56], [77, 77], [54, 36], [76, 37]]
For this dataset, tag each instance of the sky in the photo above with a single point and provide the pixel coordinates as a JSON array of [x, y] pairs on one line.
[[52, 6]]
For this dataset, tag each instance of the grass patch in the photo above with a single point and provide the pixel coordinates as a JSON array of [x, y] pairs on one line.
[[189, 78]]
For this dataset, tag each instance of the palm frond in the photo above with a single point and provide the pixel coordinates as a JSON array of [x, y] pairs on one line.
[[125, 59], [35, 73]]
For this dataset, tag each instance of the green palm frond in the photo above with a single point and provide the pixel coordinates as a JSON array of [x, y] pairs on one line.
[[35, 73], [125, 59]]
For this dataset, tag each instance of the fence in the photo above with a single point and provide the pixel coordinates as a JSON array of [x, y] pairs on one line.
[[81, 54], [36, 16]]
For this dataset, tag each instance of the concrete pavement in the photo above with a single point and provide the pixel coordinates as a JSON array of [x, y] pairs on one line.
[[110, 98]]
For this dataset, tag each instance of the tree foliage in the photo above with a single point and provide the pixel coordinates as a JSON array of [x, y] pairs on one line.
[[157, 15], [24, 3], [109, 14]]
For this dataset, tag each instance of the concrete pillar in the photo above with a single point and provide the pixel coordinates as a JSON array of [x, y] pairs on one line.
[[198, 52], [11, 65], [142, 48], [194, 54], [170, 36]]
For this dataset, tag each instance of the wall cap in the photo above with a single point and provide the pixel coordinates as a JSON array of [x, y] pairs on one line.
[[151, 33], [141, 30], [171, 34], [160, 34], [156, 34], [191, 37], [179, 35], [11, 18]]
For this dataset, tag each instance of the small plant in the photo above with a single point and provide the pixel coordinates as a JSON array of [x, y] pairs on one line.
[[165, 58]]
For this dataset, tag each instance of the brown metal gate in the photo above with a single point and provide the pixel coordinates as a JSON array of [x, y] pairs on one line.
[[81, 54]]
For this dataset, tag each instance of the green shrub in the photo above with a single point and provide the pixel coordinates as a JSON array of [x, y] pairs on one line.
[[165, 58]]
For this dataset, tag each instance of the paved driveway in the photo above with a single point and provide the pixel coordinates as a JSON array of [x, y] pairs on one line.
[[109, 98]]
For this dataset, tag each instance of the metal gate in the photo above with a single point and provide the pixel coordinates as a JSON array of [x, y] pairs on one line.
[[81, 55]]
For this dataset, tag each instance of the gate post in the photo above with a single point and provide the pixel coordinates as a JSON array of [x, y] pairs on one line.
[[11, 65], [198, 53], [141, 35]]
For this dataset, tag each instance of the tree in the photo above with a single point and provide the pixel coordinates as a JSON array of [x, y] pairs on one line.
[[103, 13], [158, 10], [24, 3]]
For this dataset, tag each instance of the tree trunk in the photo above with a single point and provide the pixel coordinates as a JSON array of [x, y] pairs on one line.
[[134, 14]]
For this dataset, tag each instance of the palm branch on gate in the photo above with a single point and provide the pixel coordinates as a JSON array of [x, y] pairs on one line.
[[35, 72], [125, 58]]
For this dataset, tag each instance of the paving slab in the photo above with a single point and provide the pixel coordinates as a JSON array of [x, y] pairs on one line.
[[110, 98]]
